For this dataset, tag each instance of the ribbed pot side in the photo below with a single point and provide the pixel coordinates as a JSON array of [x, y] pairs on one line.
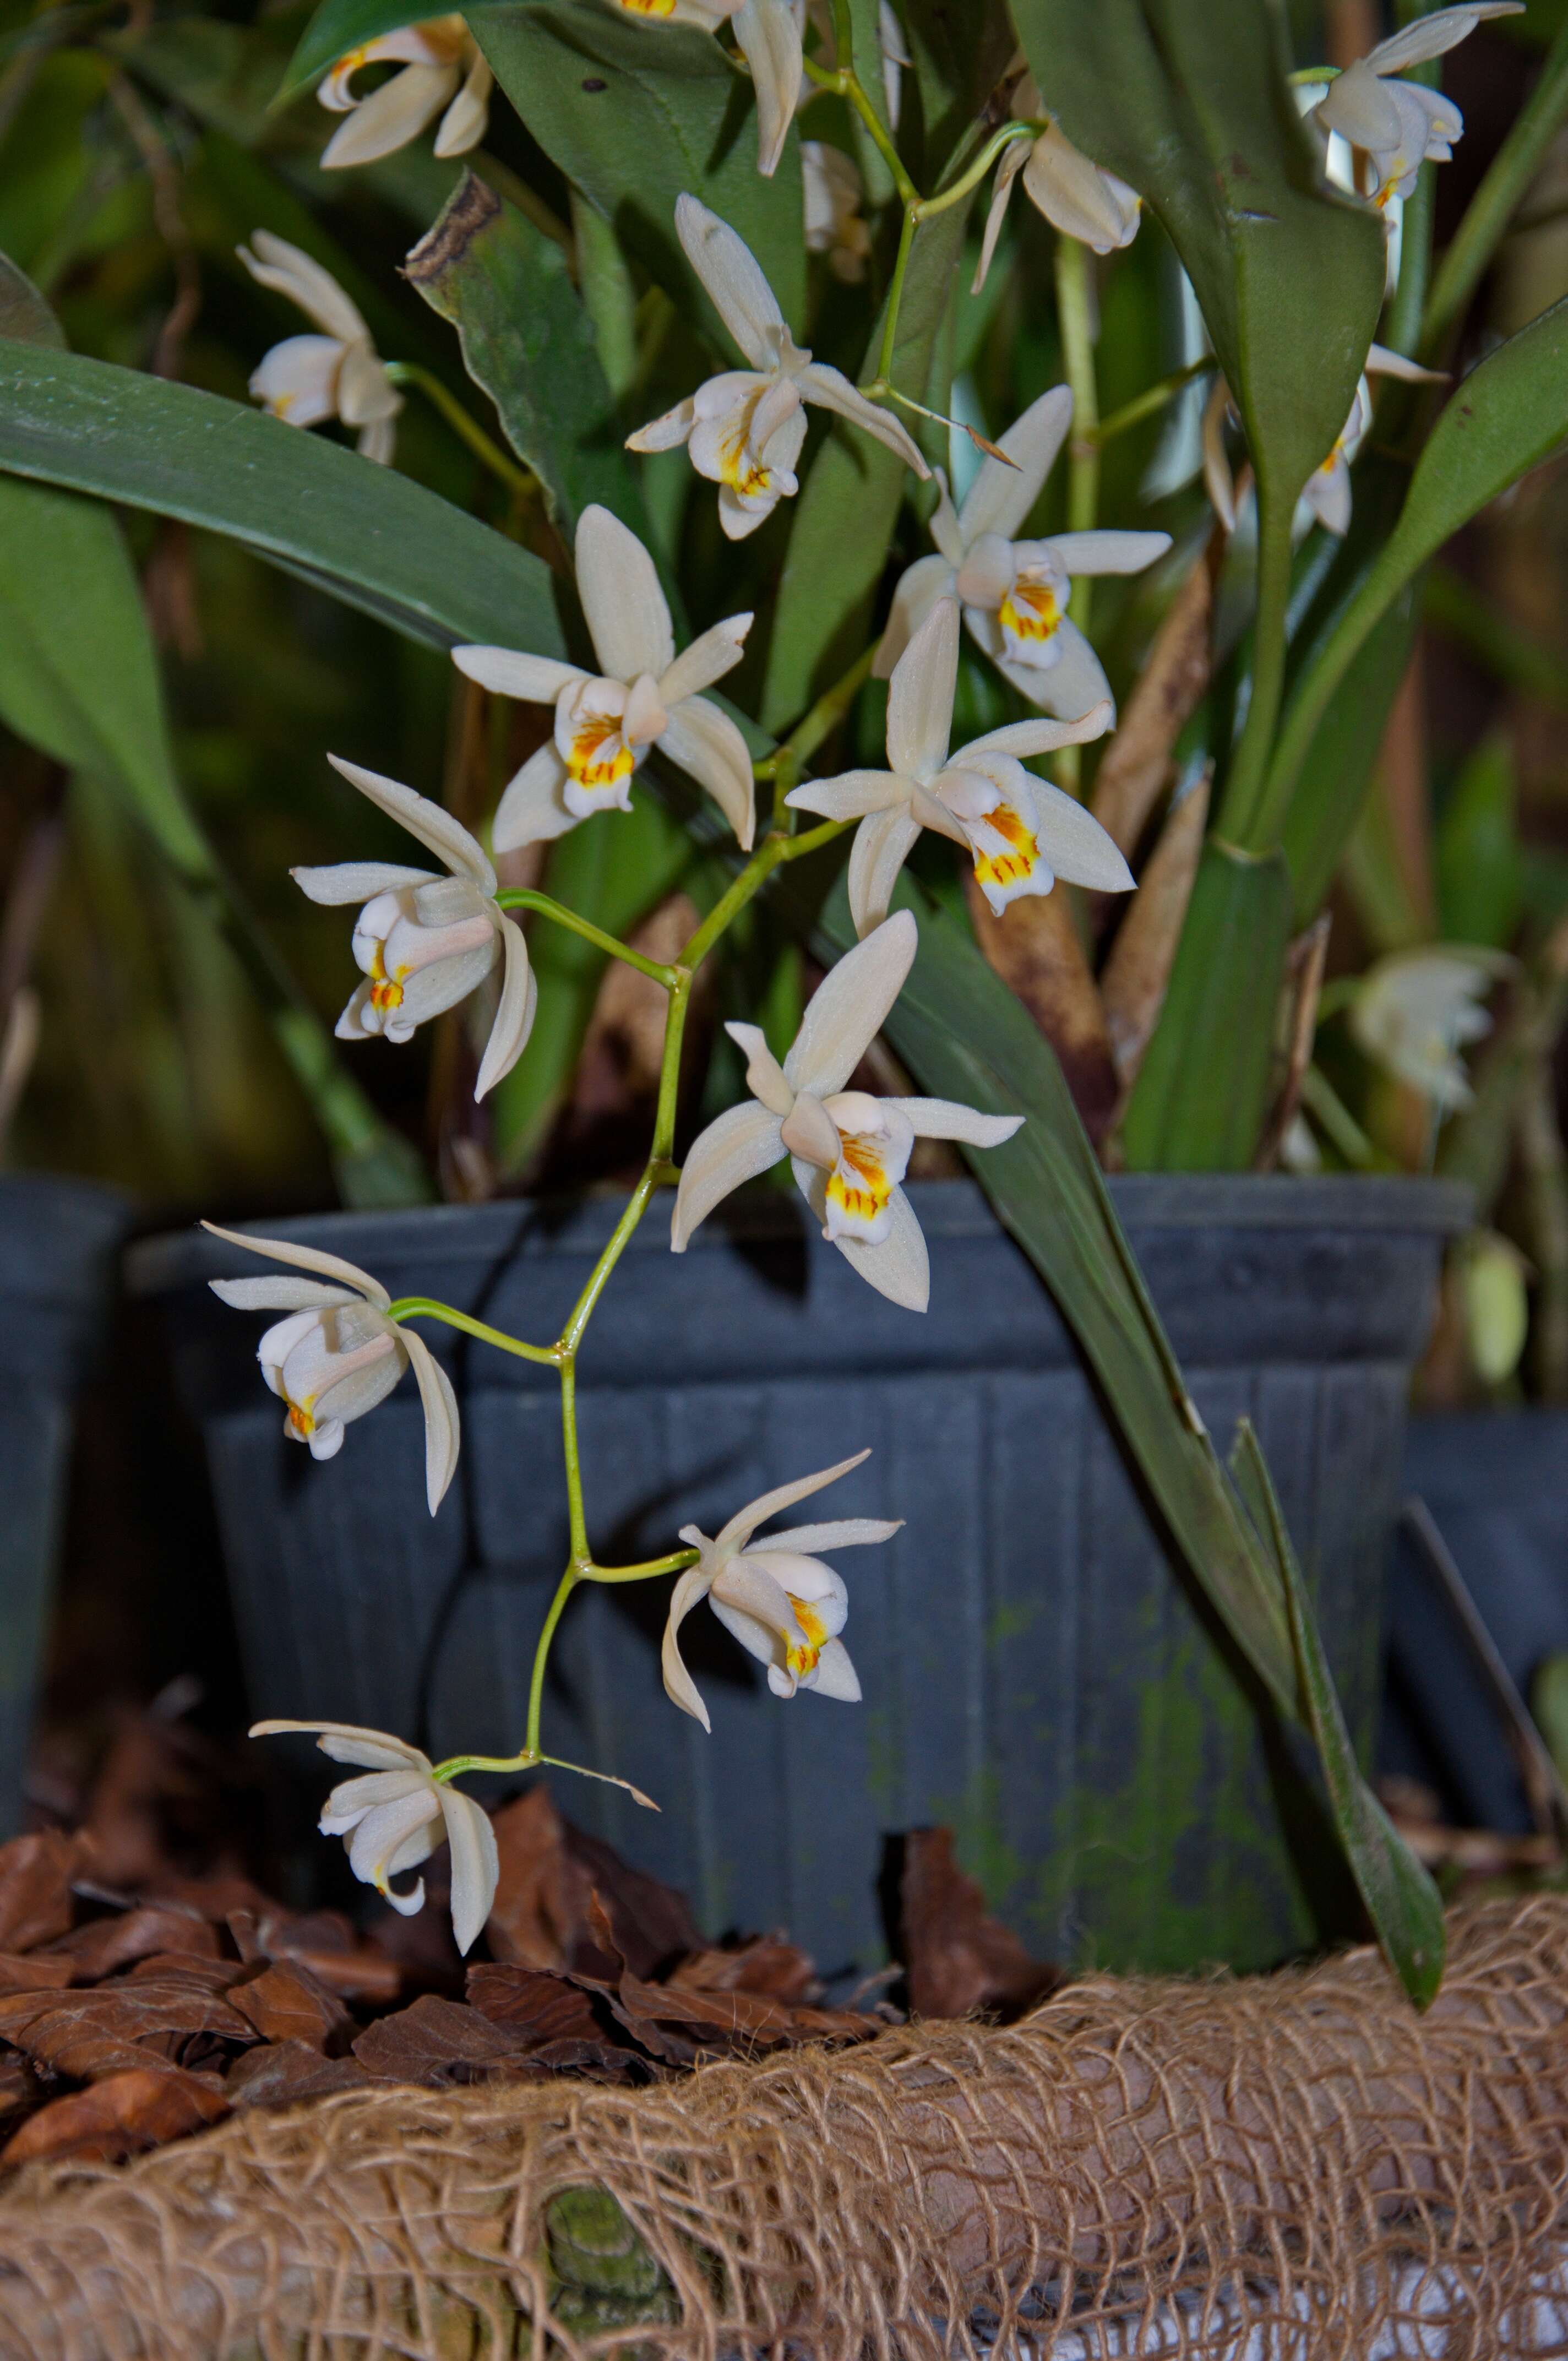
[[1036, 1673], [56, 1243]]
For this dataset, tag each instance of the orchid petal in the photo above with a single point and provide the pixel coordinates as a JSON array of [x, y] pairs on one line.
[[476, 1863], [532, 809], [847, 1011], [851, 796], [533, 680], [1077, 197], [747, 1521], [765, 1075], [442, 1427], [768, 37], [280, 1294], [297, 379], [944, 1119], [733, 278], [1075, 845], [349, 1741], [741, 1143], [289, 270], [1428, 37], [668, 431], [679, 1687], [715, 652], [330, 1265], [920, 698], [391, 116], [445, 837], [619, 585], [884, 842], [1106, 553], [355, 881], [835, 1676], [897, 1266], [1357, 106], [1009, 165], [1381, 362], [1001, 497], [839, 1533], [810, 1133], [1019, 740], [381, 1833], [830, 389], [1074, 685], [465, 121], [706, 743], [515, 1014], [919, 587]]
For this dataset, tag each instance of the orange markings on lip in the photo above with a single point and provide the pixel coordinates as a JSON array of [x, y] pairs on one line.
[[1030, 611], [1007, 868], [300, 1422], [582, 761]]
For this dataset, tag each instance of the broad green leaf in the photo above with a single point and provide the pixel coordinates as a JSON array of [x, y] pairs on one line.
[[1508, 415], [635, 112], [1201, 1095], [960, 49], [1479, 859], [78, 678], [613, 871], [850, 502], [23, 315], [364, 532], [1188, 101], [965, 1037], [1401, 1901], [1332, 789], [528, 342]]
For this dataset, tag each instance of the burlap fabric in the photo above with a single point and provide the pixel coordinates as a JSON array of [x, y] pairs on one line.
[[1139, 2166]]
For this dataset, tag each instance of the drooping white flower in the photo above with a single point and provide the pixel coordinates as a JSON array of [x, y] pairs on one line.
[[1398, 125], [442, 73], [425, 942], [743, 430], [337, 1354], [1014, 593], [848, 1151], [767, 35], [834, 192], [339, 374], [1414, 1012], [1021, 834], [1327, 496], [1077, 197], [646, 697], [775, 1596], [395, 1817]]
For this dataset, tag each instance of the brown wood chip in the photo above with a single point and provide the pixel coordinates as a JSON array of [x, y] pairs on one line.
[[287, 2003], [138, 2109], [36, 1873]]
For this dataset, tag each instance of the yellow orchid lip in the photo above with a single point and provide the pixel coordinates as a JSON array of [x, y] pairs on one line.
[[864, 1202], [584, 761], [803, 1660], [1029, 612], [386, 990], [300, 1420], [1012, 867]]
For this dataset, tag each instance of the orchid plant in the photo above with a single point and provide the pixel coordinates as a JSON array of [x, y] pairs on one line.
[[878, 652]]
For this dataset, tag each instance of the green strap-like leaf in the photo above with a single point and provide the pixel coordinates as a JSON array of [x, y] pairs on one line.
[[23, 315], [964, 1037], [634, 113], [364, 532], [1507, 416], [528, 340], [78, 678], [1401, 1900]]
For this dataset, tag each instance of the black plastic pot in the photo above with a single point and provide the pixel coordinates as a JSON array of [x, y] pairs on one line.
[[1496, 1484], [1035, 1674], [57, 1266]]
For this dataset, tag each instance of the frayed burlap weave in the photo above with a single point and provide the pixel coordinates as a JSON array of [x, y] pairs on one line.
[[1138, 2167]]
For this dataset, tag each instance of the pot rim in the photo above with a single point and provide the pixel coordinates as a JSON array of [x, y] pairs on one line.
[[578, 1226]]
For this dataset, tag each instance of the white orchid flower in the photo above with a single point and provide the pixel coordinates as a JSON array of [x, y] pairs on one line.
[[339, 374], [767, 35], [1077, 197], [393, 1819], [1021, 834], [1327, 496], [338, 1354], [605, 725], [744, 430], [834, 192], [1014, 593], [1400, 125], [775, 1596], [425, 942], [1415, 1010], [443, 74], [848, 1151]]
